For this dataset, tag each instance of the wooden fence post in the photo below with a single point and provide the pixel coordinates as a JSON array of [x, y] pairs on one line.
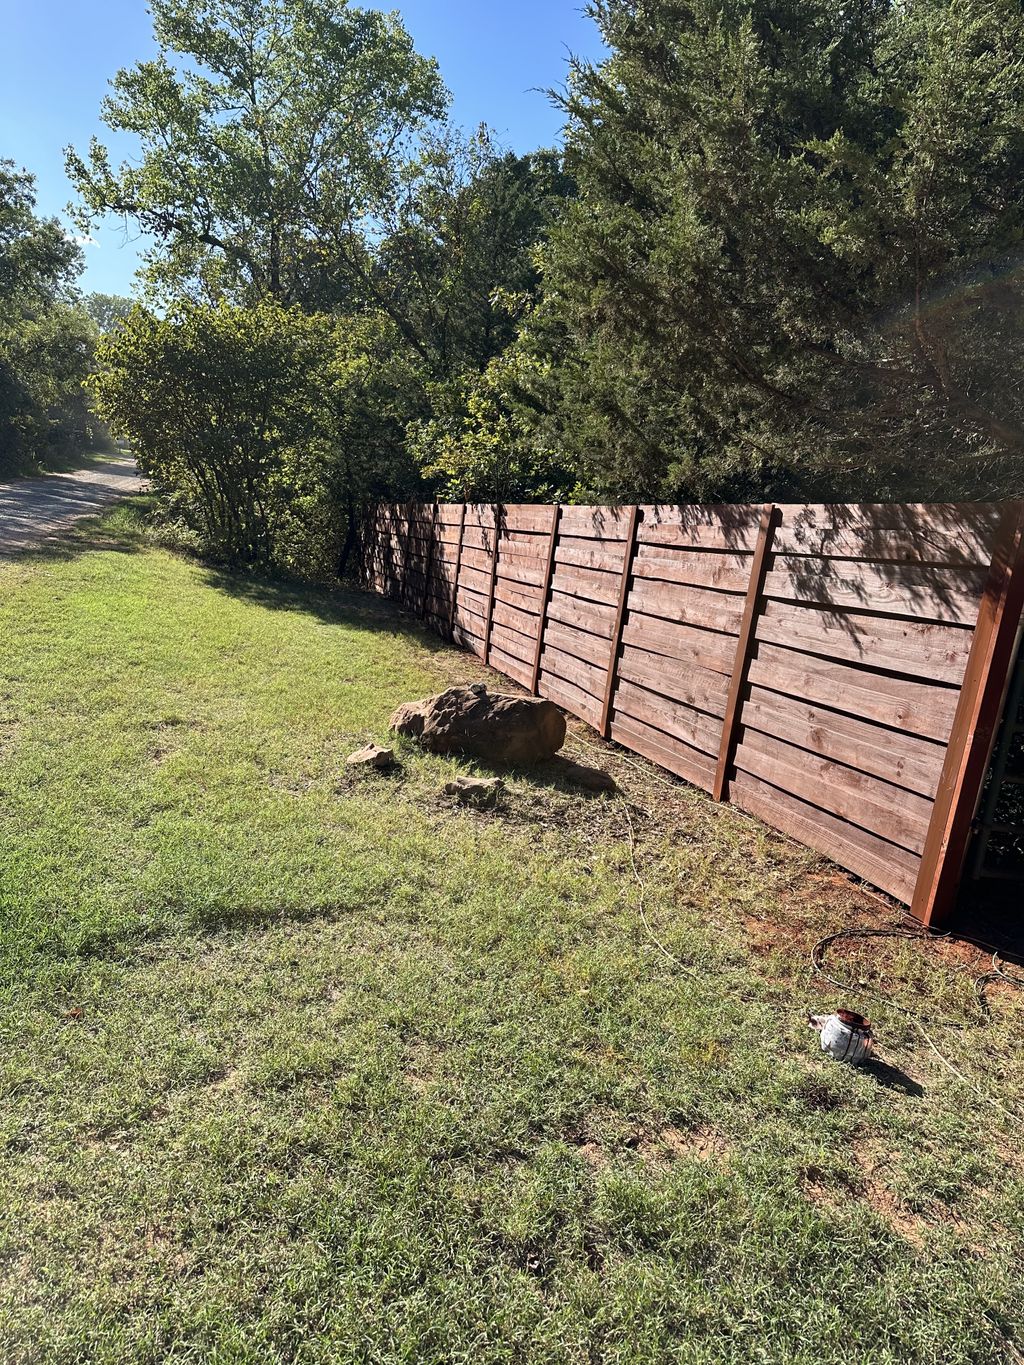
[[628, 555], [430, 562], [494, 579], [542, 620], [458, 566], [974, 726], [744, 647], [403, 596]]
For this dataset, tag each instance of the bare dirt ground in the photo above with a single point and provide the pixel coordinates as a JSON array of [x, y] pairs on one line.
[[35, 510]]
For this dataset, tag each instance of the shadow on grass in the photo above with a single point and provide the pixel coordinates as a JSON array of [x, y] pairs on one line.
[[893, 1078], [341, 605]]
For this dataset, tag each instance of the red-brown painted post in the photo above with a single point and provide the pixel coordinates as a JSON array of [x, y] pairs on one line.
[[744, 647], [494, 580], [430, 561], [458, 566], [628, 555], [542, 619], [974, 726]]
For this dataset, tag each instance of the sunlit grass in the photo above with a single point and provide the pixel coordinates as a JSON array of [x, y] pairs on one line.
[[302, 1067]]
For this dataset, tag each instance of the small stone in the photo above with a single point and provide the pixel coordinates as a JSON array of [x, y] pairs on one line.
[[372, 756], [480, 792]]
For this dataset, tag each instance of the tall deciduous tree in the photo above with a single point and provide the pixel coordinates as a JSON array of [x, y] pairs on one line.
[[269, 128], [795, 260], [45, 338]]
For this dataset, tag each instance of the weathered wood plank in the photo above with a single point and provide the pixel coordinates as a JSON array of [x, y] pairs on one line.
[[890, 812], [876, 860], [676, 719], [919, 591], [680, 643], [903, 759], [686, 605], [699, 687], [926, 650], [596, 617], [725, 527], [724, 572], [902, 703], [595, 523], [663, 749], [946, 534], [590, 584], [570, 697]]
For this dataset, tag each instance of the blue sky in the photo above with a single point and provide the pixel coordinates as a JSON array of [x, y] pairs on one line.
[[56, 57]]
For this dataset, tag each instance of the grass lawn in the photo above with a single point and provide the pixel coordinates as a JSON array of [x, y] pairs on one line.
[[301, 1067]]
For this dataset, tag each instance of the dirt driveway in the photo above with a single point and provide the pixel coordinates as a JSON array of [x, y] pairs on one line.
[[34, 510]]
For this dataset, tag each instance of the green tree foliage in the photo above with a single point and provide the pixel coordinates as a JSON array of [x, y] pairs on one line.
[[107, 310], [46, 339], [794, 262], [268, 129], [256, 424]]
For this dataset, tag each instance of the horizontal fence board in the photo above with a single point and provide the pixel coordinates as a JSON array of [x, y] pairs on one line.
[[593, 616], [903, 533], [876, 860], [669, 752], [844, 699], [903, 590], [569, 696], [697, 729], [570, 668], [525, 517], [588, 554], [699, 687], [595, 523], [901, 703], [683, 644], [522, 621], [902, 759], [857, 797], [725, 572], [699, 528], [593, 649], [686, 605], [525, 596], [589, 584], [933, 651]]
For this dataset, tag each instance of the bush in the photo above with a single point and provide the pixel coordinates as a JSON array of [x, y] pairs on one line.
[[253, 423]]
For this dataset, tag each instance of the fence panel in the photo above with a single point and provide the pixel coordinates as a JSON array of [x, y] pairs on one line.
[[835, 670]]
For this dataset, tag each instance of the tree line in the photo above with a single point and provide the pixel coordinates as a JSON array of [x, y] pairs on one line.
[[778, 255]]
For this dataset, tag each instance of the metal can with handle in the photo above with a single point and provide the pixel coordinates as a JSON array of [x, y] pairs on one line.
[[847, 1037]]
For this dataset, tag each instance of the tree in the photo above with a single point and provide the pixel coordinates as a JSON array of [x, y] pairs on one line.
[[107, 310], [263, 428], [792, 265], [45, 338], [268, 127]]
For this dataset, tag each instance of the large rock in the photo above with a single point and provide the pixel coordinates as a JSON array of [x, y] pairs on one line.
[[492, 726]]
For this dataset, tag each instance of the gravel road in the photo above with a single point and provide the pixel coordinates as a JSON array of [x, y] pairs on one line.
[[35, 510]]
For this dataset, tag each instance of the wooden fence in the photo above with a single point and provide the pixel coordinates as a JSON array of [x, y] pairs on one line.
[[837, 671]]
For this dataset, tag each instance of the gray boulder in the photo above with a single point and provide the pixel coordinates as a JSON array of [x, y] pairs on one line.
[[493, 726]]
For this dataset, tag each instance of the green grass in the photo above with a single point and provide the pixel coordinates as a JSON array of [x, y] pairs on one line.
[[301, 1067]]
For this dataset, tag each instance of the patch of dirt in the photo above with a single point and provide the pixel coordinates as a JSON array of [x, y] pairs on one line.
[[870, 1184], [700, 1144], [422, 1062], [657, 1148]]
